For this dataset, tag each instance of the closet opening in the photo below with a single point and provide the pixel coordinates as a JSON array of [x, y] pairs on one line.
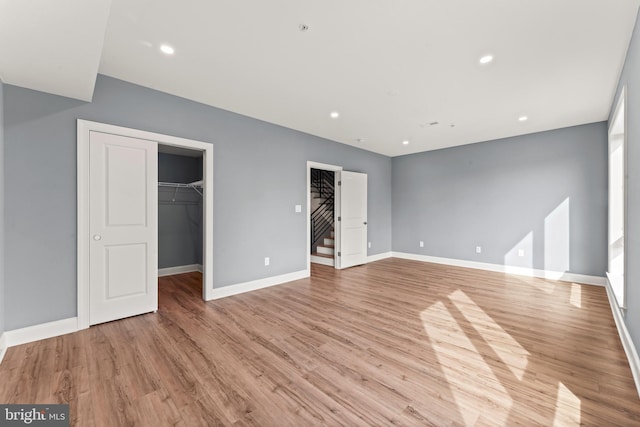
[[180, 216]]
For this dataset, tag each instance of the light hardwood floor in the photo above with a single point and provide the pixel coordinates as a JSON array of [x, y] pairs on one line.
[[395, 342]]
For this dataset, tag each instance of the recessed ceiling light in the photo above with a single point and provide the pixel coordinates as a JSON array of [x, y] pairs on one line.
[[165, 48], [405, 142], [334, 114], [523, 118], [486, 59]]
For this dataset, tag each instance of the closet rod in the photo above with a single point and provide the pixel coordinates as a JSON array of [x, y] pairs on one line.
[[196, 185]]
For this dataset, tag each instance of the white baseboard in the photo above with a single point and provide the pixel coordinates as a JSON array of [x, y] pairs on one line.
[[625, 338], [378, 257], [3, 346], [253, 285], [520, 271], [170, 271], [40, 332]]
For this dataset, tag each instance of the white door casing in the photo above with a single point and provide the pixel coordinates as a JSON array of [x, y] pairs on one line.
[[352, 227], [123, 223], [85, 236]]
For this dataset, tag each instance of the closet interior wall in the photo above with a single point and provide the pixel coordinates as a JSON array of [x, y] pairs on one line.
[[179, 212]]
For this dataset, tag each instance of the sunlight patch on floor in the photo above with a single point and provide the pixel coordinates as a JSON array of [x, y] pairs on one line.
[[567, 408], [576, 295], [512, 354], [464, 368]]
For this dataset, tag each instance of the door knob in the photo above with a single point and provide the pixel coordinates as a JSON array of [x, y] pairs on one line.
[[97, 237], [365, 223]]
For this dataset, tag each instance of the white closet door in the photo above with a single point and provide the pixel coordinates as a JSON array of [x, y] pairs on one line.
[[123, 221]]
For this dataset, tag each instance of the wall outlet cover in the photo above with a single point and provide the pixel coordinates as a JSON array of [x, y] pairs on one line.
[[266, 260], [478, 249]]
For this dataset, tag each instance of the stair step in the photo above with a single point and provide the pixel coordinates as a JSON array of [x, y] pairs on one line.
[[322, 255], [328, 241], [326, 249], [322, 259]]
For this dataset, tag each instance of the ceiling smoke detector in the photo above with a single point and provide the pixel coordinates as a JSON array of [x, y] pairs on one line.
[[303, 27]]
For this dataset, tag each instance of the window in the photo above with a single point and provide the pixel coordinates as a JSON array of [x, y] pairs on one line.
[[617, 201]]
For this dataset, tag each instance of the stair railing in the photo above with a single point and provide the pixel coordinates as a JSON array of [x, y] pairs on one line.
[[322, 218]]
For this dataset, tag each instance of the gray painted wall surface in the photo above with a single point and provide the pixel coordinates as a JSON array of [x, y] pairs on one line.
[[545, 193], [179, 212], [2, 309], [631, 78], [260, 175]]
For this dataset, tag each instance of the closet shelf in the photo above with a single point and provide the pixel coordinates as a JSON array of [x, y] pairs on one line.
[[196, 186]]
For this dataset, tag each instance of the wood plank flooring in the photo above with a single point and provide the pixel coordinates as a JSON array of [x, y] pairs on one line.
[[392, 343]]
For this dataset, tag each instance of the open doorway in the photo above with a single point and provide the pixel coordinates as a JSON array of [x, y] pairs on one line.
[[336, 216], [322, 208], [322, 199], [180, 213]]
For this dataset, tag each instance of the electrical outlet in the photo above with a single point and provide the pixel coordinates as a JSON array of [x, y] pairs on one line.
[[298, 208], [369, 245], [421, 244], [266, 260], [478, 249], [520, 252]]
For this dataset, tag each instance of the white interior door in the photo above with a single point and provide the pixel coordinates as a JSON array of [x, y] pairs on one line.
[[352, 224], [123, 224]]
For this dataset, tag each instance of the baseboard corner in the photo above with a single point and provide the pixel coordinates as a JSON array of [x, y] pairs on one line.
[[378, 257]]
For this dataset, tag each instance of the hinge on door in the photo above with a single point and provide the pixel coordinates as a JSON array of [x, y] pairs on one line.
[[339, 182], [339, 253], [339, 218]]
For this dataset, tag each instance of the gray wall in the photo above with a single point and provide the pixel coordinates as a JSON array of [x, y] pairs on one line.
[[259, 174], [2, 310], [179, 212], [631, 78], [545, 193]]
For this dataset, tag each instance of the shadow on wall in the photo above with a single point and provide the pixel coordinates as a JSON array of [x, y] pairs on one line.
[[556, 244]]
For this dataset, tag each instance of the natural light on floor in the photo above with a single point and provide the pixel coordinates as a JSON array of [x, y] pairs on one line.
[[567, 408], [467, 342], [457, 369], [576, 295], [510, 352]]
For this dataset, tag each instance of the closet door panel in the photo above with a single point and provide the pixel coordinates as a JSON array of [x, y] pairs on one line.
[[123, 224]]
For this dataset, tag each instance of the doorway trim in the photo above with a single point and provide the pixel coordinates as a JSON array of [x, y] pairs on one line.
[[326, 167], [84, 127]]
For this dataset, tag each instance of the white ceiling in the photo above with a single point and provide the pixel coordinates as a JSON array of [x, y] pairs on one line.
[[52, 46], [389, 68]]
